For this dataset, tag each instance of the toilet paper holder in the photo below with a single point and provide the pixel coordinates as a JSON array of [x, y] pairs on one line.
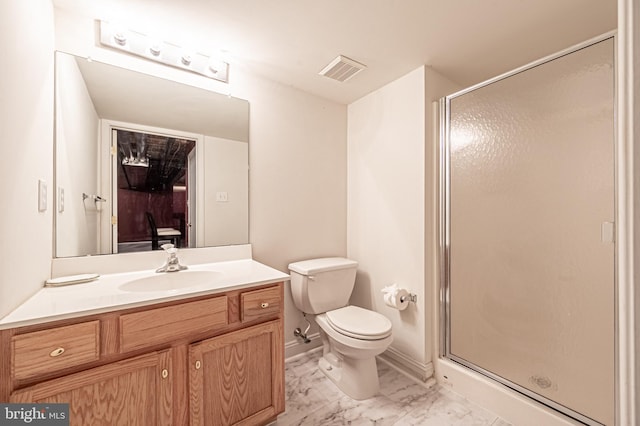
[[410, 297], [403, 298]]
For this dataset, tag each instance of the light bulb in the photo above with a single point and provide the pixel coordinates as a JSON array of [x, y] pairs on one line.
[[119, 35], [155, 48], [215, 66]]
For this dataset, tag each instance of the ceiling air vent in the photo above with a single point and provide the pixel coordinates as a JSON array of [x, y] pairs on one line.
[[342, 68]]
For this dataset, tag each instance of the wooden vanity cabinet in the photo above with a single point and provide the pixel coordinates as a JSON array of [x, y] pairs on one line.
[[212, 360], [235, 379], [136, 391], [42, 351]]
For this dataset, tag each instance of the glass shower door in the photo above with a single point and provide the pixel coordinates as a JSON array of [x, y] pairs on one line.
[[529, 216]]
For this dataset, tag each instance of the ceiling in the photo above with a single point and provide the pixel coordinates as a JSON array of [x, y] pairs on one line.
[[290, 41]]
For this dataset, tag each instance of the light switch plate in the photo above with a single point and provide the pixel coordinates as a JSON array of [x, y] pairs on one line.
[[608, 232], [42, 195]]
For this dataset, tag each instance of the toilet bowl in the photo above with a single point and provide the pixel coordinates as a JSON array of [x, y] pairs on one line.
[[351, 336], [348, 359]]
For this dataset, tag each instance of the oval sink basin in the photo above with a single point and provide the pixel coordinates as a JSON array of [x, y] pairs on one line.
[[171, 281]]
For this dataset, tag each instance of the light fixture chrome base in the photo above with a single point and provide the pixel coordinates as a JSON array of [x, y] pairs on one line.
[[139, 44]]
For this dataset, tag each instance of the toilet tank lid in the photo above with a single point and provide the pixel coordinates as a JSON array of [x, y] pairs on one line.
[[313, 266]]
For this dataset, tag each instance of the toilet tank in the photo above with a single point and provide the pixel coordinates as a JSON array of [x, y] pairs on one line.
[[321, 285]]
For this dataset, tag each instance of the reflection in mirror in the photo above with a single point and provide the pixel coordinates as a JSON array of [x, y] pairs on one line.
[[141, 160], [152, 178]]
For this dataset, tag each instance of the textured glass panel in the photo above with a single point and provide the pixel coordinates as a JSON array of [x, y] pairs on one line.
[[532, 181]]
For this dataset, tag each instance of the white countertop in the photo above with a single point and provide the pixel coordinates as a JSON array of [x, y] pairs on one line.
[[105, 294]]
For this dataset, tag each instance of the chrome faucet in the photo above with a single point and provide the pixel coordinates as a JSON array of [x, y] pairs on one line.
[[172, 263]]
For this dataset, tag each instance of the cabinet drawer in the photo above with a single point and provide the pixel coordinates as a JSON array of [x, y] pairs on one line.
[[164, 325], [257, 304], [54, 349]]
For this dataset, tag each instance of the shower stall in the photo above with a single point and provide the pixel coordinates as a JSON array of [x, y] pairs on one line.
[[527, 233]]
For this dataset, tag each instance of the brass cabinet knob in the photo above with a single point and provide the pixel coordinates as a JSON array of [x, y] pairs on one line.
[[165, 373], [198, 365], [264, 305], [56, 352]]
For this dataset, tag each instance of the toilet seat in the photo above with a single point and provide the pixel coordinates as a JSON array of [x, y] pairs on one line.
[[359, 323]]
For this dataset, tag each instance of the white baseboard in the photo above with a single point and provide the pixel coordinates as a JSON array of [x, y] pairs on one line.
[[417, 370]]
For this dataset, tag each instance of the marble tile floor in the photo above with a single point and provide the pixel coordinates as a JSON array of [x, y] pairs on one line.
[[312, 399]]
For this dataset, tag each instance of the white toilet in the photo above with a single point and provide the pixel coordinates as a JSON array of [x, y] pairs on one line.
[[351, 336]]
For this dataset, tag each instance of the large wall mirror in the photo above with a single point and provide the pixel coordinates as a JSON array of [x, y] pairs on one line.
[[140, 161]]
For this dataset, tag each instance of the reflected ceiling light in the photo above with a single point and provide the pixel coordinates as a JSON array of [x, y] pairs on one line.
[[136, 157], [120, 38], [139, 44], [119, 35]]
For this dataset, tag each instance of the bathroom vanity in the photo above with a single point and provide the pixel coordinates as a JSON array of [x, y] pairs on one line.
[[209, 353]]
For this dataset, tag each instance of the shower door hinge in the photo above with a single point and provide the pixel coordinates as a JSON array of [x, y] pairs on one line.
[[114, 220], [113, 150], [608, 232]]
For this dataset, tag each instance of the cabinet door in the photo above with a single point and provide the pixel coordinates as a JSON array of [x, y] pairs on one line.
[[238, 378], [136, 391]]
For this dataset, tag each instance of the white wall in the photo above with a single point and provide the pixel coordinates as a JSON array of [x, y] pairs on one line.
[[390, 207], [297, 158], [226, 171], [76, 159], [26, 114], [297, 182], [385, 221]]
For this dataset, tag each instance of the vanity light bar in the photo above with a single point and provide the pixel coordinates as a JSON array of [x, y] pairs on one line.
[[139, 44]]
